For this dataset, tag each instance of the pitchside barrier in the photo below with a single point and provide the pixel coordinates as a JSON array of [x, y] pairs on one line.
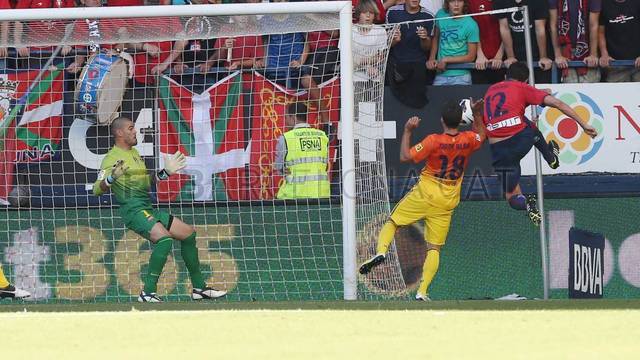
[[613, 152], [64, 259], [586, 264]]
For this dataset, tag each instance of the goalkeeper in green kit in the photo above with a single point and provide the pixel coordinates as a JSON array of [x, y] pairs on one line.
[[124, 172]]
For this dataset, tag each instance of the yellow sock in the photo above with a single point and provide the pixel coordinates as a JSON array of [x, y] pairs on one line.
[[3, 280], [429, 270], [386, 237]]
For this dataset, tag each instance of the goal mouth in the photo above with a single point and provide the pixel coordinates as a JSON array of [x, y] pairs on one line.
[[224, 102]]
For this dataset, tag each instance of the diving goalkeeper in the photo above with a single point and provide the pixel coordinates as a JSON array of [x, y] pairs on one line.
[[124, 173]]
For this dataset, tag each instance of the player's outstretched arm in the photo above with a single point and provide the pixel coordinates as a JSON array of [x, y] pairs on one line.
[[172, 164], [552, 101], [108, 176], [478, 118], [405, 144]]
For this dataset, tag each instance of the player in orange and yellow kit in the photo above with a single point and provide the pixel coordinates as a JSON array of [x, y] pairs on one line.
[[437, 192]]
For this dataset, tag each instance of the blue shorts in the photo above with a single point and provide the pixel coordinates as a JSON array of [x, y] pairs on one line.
[[506, 156]]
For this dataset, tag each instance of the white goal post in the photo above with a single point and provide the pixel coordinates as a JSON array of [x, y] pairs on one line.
[[342, 9], [62, 242]]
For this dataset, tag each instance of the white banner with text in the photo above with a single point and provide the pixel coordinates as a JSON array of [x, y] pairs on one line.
[[613, 109]]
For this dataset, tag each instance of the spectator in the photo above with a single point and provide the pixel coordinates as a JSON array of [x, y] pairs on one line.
[[285, 60], [574, 42], [323, 54], [619, 38], [432, 6], [302, 155], [192, 67], [196, 52], [196, 55], [410, 45], [490, 50], [369, 43], [190, 2], [40, 32], [512, 33], [285, 52], [455, 42], [4, 36], [110, 28], [153, 58], [125, 2], [381, 7], [240, 52]]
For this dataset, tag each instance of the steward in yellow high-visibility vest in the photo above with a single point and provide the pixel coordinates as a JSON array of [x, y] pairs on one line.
[[302, 156]]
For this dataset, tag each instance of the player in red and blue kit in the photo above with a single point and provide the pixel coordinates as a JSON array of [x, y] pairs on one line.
[[512, 135]]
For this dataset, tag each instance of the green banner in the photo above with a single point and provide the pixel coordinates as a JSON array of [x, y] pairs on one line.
[[493, 251], [256, 253], [295, 252]]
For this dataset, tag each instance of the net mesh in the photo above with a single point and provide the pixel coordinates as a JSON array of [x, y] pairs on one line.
[[170, 28], [217, 89], [370, 51], [220, 101]]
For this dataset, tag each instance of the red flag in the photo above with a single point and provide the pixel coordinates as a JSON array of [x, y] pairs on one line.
[[30, 130], [270, 102]]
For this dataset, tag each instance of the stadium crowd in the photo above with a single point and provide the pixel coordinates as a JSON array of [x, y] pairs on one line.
[[593, 32]]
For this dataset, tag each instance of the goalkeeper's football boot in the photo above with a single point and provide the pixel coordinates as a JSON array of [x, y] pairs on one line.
[[149, 297], [366, 266], [12, 292], [532, 210], [422, 297], [555, 148], [207, 293]]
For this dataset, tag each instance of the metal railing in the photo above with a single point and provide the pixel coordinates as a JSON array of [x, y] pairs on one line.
[[555, 71]]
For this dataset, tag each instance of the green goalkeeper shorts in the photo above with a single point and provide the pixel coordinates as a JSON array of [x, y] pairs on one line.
[[142, 221]]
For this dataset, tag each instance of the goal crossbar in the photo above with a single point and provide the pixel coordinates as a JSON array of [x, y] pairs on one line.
[[173, 11]]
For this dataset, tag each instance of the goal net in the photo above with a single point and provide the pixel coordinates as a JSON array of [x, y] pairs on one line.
[[216, 83]]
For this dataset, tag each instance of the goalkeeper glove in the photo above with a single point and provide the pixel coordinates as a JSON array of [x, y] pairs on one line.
[[172, 164], [118, 169]]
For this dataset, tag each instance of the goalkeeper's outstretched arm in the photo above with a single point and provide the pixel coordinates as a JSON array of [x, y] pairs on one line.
[[172, 164], [99, 187], [107, 177]]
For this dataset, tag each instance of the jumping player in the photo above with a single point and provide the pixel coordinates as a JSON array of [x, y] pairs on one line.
[[437, 192], [124, 173], [512, 135]]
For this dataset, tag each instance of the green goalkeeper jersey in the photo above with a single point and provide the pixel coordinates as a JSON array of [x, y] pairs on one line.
[[131, 189]]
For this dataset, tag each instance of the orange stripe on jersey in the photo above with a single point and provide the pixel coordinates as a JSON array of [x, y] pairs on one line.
[[446, 155]]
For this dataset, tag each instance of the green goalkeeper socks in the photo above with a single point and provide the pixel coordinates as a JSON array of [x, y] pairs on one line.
[[156, 263], [190, 257]]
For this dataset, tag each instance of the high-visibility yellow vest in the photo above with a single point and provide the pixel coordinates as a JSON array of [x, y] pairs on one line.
[[305, 164]]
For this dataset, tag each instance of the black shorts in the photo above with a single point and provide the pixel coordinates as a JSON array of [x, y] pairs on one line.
[[509, 152], [506, 156], [324, 63]]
